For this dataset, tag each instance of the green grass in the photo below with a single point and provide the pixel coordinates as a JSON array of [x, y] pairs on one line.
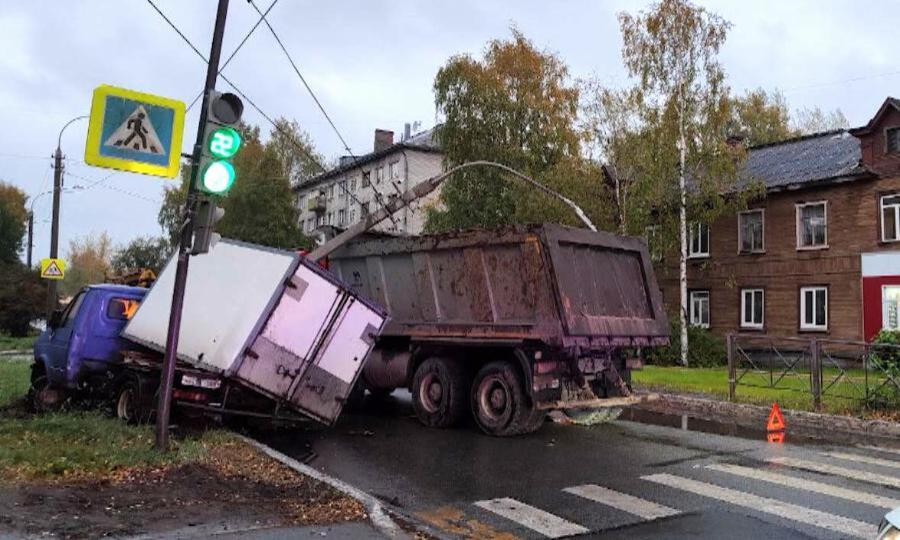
[[9, 343], [792, 391], [14, 375], [78, 444]]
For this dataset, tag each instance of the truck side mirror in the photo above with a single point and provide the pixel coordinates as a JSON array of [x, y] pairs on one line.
[[55, 318]]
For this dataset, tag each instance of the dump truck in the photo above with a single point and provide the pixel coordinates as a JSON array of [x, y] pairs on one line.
[[265, 333], [506, 324]]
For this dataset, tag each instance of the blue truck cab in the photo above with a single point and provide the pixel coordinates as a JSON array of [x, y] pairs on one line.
[[82, 341]]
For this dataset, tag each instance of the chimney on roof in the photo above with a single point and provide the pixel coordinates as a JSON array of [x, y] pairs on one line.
[[407, 131], [346, 160], [383, 139]]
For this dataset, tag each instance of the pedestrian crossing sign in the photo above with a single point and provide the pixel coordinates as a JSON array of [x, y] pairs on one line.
[[53, 268], [135, 132]]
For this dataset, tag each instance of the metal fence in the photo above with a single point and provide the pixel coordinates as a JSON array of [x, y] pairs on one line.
[[855, 371]]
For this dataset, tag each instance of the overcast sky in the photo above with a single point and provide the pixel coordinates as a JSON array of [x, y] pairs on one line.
[[372, 64]]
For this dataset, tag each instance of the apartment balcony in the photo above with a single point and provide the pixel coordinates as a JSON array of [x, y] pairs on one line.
[[316, 204]]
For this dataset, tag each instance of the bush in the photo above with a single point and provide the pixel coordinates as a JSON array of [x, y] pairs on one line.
[[22, 298], [704, 348], [887, 358]]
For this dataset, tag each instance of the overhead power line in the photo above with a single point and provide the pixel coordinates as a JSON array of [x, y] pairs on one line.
[[286, 133], [378, 196], [235, 51]]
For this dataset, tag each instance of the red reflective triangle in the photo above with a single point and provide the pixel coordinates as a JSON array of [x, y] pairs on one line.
[[775, 421]]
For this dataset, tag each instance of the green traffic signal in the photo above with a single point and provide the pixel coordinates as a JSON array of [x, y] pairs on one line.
[[217, 177], [223, 142]]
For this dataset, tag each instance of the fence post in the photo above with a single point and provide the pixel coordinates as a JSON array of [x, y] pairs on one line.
[[815, 374], [732, 370]]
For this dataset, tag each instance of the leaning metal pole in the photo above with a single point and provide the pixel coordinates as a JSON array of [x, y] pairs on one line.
[[164, 407]]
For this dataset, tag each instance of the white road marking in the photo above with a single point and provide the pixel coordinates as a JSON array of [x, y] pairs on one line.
[[864, 459], [531, 517], [853, 474], [793, 512], [622, 501], [880, 448], [807, 485]]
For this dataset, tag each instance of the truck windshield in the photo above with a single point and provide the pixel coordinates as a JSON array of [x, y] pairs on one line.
[[122, 308]]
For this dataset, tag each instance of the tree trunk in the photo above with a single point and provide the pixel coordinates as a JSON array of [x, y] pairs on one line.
[[682, 226]]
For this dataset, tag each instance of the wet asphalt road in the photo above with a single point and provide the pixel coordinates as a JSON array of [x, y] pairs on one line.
[[643, 481]]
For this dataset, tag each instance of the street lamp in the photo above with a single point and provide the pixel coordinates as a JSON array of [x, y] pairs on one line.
[[54, 226]]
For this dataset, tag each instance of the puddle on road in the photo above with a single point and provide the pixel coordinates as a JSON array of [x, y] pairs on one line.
[[731, 429]]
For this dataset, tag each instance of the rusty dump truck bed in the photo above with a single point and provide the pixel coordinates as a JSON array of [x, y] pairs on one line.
[[558, 285]]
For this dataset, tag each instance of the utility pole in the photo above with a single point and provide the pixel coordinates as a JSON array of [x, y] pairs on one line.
[[30, 236], [52, 298], [164, 407]]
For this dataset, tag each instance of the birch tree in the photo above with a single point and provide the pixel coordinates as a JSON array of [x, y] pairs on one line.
[[672, 53]]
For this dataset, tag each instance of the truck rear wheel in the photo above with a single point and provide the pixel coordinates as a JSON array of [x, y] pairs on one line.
[[131, 403], [439, 392], [499, 403]]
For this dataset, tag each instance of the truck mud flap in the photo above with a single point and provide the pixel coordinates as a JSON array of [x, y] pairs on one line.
[[599, 403]]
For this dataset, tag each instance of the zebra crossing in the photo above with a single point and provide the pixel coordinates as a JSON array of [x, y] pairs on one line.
[[786, 479]]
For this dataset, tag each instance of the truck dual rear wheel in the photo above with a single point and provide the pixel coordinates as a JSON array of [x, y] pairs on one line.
[[499, 403], [439, 392]]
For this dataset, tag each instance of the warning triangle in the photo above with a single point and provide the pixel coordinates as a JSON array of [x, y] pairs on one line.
[[775, 421], [52, 270], [136, 133]]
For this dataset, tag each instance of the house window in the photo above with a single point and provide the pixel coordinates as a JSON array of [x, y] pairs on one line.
[[395, 170], [342, 217], [890, 310], [699, 308], [750, 231], [651, 235], [353, 184], [320, 220], [310, 224], [698, 246], [331, 191], [366, 179], [892, 140], [300, 200], [890, 218], [353, 215], [752, 308], [814, 308], [812, 225], [379, 175], [330, 218], [343, 189], [364, 210]]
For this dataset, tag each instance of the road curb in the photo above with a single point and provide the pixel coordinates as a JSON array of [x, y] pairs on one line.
[[754, 416], [381, 519], [15, 353]]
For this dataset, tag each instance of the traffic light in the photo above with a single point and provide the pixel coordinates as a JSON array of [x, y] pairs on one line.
[[206, 215], [221, 141]]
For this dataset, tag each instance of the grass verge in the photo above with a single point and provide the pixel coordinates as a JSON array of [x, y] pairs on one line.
[[792, 391], [9, 343], [78, 444]]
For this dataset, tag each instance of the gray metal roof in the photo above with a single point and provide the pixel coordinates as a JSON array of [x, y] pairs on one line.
[[802, 160], [424, 142]]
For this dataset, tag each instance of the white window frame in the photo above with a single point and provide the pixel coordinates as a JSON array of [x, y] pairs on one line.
[[696, 316], [799, 207], [884, 309], [694, 230], [896, 208], [342, 217], [804, 325], [379, 175], [751, 293], [343, 189], [394, 170], [353, 184], [762, 213]]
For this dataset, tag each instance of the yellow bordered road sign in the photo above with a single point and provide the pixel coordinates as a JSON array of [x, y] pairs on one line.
[[53, 268], [135, 132]]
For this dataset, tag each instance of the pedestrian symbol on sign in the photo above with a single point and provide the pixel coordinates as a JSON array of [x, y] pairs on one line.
[[136, 133]]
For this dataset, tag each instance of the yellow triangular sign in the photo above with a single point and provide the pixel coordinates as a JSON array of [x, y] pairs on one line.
[[53, 269]]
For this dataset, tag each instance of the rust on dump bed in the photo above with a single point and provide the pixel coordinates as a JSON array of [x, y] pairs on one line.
[[550, 283]]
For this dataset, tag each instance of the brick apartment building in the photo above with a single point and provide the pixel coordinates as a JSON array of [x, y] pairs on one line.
[[819, 255]]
